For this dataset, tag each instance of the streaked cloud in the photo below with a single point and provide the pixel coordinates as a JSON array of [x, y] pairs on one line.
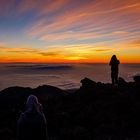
[[70, 52], [103, 50], [25, 6], [94, 15], [69, 29], [6, 7], [135, 42], [70, 35]]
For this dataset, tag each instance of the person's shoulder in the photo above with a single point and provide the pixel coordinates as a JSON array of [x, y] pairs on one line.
[[42, 117]]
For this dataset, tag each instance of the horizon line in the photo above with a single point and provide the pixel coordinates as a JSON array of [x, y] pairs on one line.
[[65, 63]]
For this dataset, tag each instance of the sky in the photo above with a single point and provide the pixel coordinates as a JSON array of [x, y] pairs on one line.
[[54, 31]]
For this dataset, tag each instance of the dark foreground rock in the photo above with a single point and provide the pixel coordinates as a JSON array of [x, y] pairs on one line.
[[96, 111]]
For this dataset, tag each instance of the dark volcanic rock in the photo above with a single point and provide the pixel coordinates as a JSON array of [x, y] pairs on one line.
[[50, 91], [122, 82], [87, 83], [14, 95], [137, 78], [96, 111], [18, 95]]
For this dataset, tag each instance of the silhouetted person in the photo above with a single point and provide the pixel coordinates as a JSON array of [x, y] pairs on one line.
[[114, 63], [32, 123]]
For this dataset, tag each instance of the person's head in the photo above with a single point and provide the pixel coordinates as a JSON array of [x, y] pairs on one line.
[[114, 58], [32, 104]]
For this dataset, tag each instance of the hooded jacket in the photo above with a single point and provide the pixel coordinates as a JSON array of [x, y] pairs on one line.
[[32, 123]]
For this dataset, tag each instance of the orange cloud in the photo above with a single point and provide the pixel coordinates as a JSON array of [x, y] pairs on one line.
[[73, 53], [70, 35], [62, 54]]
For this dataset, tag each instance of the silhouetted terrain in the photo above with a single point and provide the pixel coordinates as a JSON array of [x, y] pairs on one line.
[[96, 111]]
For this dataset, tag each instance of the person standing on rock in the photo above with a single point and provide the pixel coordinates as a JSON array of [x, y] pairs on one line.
[[32, 123], [114, 63]]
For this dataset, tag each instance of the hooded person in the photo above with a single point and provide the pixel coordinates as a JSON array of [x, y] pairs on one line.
[[32, 123]]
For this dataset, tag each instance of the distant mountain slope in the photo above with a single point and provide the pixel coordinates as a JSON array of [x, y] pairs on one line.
[[15, 95]]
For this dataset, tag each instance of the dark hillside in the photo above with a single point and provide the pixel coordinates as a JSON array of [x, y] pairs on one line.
[[96, 111]]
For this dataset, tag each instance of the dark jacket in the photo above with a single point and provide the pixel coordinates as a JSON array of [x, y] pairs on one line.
[[32, 123], [32, 126], [114, 66]]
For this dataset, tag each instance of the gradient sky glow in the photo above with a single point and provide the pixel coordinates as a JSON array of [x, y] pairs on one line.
[[69, 30]]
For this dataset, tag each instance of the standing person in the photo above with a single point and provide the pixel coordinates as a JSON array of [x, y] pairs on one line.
[[32, 123], [114, 63]]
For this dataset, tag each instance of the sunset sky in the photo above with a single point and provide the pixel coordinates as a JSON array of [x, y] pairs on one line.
[[69, 30]]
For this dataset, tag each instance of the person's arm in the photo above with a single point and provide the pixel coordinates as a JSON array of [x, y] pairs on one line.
[[110, 63], [45, 127], [20, 130], [44, 132], [118, 62]]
